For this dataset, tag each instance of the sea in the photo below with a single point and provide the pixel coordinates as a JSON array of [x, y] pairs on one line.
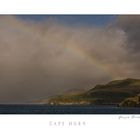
[[49, 109]]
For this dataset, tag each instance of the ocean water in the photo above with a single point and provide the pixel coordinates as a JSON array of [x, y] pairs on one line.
[[46, 109]]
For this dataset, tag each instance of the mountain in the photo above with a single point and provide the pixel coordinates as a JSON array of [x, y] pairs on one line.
[[131, 102], [116, 93]]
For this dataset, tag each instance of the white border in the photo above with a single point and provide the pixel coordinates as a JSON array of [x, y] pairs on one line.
[[69, 7], [98, 127]]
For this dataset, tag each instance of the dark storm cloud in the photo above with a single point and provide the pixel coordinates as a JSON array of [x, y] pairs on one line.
[[42, 59], [131, 26]]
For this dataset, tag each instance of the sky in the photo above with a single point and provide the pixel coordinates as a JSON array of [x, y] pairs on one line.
[[42, 56], [90, 20]]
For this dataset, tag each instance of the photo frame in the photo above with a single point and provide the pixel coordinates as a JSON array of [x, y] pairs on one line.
[[27, 117]]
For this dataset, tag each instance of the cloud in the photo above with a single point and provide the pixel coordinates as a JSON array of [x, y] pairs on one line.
[[131, 25], [38, 60]]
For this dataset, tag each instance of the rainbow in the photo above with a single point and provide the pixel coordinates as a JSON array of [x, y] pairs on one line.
[[92, 59]]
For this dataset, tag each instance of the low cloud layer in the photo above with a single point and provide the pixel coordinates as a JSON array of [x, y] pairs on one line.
[[38, 60]]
